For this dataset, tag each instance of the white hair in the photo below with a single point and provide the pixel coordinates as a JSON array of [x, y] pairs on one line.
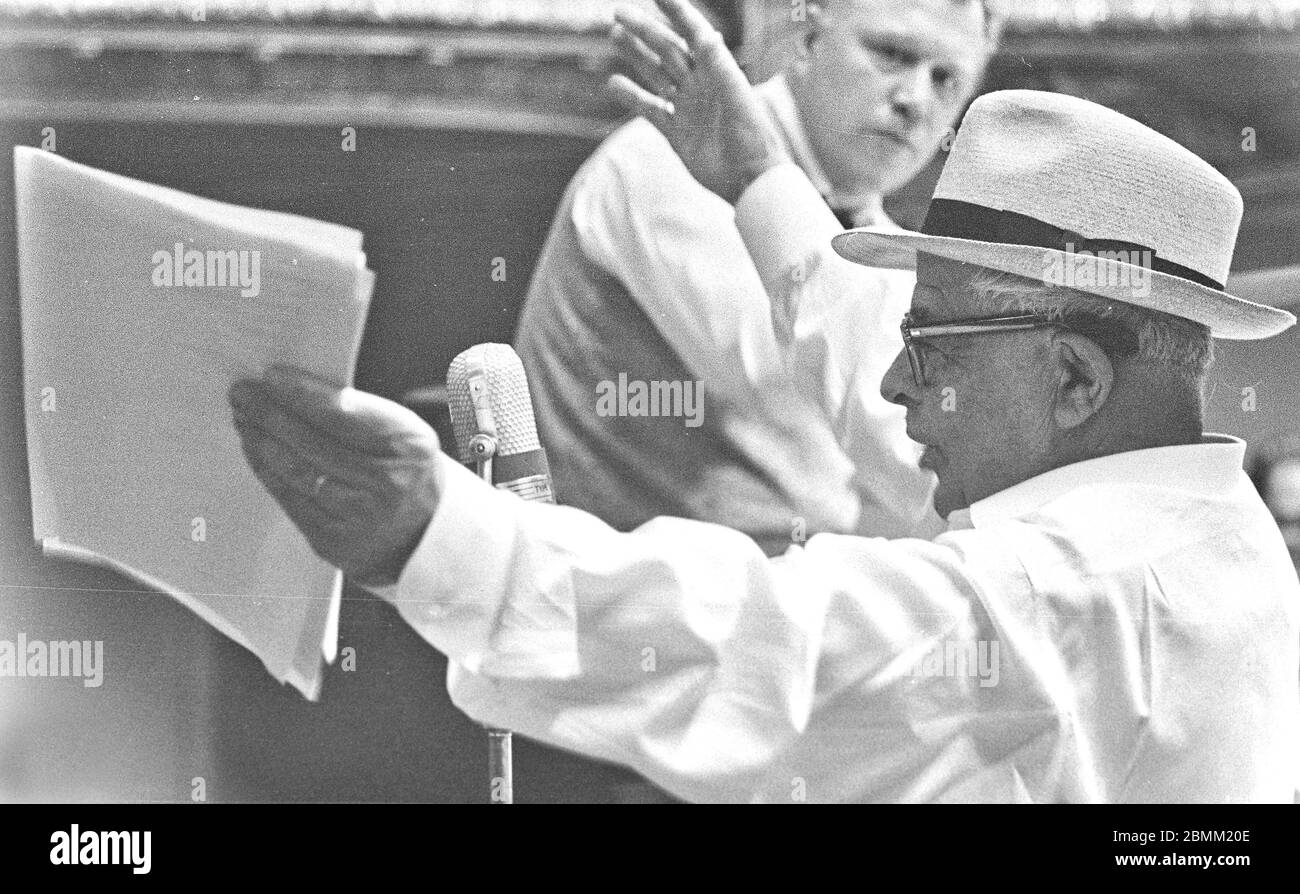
[[1181, 346]]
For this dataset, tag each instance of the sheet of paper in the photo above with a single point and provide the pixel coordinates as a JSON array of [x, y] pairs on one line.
[[140, 306]]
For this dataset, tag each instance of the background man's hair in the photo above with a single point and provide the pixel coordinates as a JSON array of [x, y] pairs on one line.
[[1183, 347], [994, 19]]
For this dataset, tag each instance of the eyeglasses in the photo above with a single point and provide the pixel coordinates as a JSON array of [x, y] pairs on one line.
[[983, 326]]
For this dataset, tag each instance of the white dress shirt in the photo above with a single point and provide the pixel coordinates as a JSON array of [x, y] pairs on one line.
[[1121, 629]]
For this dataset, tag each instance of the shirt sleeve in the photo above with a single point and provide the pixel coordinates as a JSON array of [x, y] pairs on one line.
[[642, 217], [836, 324], [679, 649]]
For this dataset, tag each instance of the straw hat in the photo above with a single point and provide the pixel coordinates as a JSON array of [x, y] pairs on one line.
[[1068, 192]]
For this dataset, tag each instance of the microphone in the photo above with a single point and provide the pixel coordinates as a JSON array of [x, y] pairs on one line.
[[492, 418]]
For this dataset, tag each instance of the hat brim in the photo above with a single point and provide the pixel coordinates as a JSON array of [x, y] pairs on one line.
[[1226, 315], [1275, 286]]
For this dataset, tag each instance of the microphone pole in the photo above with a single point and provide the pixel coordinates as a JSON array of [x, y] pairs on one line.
[[501, 774], [492, 415]]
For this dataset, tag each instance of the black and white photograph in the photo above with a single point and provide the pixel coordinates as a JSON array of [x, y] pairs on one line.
[[650, 402]]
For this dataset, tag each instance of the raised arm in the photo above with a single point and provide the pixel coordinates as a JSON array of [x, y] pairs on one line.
[[639, 215], [835, 322]]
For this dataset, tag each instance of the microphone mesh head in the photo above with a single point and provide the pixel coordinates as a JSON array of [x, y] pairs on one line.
[[506, 397]]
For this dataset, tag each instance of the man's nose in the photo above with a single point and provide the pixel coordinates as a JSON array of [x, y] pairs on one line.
[[898, 386], [913, 94]]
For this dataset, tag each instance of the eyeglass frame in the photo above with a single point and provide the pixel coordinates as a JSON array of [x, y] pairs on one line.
[[971, 326]]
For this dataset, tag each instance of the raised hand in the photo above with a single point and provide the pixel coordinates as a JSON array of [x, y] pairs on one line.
[[689, 86]]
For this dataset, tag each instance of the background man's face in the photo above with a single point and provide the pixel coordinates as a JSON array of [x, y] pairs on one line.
[[994, 428], [884, 81]]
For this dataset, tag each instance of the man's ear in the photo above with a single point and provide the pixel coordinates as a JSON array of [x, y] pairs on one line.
[[1084, 376]]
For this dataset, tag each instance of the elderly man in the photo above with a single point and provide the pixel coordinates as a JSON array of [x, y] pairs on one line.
[[645, 286], [1111, 615]]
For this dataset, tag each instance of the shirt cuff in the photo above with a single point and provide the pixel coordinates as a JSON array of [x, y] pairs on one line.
[[471, 588]]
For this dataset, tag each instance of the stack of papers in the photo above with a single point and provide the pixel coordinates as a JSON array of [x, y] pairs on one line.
[[140, 306]]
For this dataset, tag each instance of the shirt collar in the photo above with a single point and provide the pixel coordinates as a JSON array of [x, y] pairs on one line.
[[1211, 467], [779, 101]]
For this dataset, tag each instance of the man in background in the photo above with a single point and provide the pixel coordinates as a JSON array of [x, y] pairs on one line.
[[656, 361]]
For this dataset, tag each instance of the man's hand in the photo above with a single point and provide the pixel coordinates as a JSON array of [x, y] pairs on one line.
[[691, 88], [359, 475]]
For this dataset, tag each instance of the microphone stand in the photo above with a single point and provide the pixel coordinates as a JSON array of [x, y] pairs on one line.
[[500, 764]]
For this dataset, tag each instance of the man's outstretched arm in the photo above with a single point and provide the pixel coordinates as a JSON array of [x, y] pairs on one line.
[[678, 649]]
